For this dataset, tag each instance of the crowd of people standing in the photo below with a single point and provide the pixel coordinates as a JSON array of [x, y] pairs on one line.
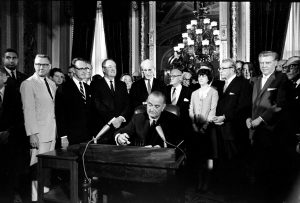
[[242, 120]]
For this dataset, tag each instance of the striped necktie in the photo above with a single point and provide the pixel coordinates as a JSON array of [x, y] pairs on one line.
[[82, 91], [148, 87]]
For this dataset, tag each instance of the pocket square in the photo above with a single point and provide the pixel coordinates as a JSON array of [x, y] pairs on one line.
[[271, 89], [231, 93], [186, 100]]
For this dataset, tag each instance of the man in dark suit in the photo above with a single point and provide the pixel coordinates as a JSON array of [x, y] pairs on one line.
[[73, 107], [234, 105], [269, 102], [141, 130], [177, 94], [14, 144], [10, 61], [143, 87], [110, 100]]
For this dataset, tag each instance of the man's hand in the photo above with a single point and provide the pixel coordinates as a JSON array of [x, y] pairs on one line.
[[34, 141], [219, 120], [248, 123], [4, 137], [256, 122], [117, 122], [123, 139]]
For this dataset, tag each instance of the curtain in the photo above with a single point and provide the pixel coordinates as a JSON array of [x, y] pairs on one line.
[[99, 52], [116, 27], [292, 41], [84, 23], [268, 25]]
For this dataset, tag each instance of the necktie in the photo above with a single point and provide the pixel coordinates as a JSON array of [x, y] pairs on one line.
[[48, 88], [12, 75], [82, 91], [173, 97], [148, 87], [153, 123], [112, 87]]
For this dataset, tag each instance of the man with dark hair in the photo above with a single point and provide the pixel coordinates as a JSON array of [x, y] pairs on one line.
[[38, 96], [110, 100], [10, 61], [141, 130], [57, 76]]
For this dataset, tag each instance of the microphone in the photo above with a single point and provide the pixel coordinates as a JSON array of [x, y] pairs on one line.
[[161, 134], [105, 128]]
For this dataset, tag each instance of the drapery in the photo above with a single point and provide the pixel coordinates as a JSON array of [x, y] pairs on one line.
[[116, 28], [292, 42], [99, 52], [268, 25], [84, 23]]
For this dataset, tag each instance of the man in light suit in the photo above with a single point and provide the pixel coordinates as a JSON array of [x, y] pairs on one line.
[[38, 93], [143, 87], [268, 134]]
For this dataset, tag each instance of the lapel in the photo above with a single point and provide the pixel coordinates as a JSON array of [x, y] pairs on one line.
[[105, 85], [256, 88]]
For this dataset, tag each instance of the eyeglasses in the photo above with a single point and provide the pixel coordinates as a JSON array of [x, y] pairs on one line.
[[84, 68], [42, 64], [174, 76], [220, 69], [290, 67]]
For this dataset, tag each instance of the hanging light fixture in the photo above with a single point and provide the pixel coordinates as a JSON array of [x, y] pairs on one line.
[[200, 42]]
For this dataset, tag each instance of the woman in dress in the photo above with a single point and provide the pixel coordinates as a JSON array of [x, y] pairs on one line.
[[202, 109]]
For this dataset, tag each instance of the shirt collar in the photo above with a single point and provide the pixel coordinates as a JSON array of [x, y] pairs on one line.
[[230, 79], [9, 71], [76, 81], [2, 91]]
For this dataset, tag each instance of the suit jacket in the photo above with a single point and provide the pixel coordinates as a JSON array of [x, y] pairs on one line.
[[235, 104], [139, 94], [38, 108], [142, 134], [20, 77], [183, 101], [107, 105], [73, 114], [269, 103]]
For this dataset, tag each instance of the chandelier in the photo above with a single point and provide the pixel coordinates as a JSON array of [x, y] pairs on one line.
[[200, 42]]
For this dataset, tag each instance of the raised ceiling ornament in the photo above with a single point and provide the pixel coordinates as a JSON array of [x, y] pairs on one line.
[[200, 42]]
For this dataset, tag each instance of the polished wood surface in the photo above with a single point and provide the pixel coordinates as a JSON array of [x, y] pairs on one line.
[[126, 163]]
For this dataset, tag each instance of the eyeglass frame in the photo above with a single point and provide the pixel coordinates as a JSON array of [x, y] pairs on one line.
[[174, 76], [85, 68], [290, 67], [42, 64], [221, 69]]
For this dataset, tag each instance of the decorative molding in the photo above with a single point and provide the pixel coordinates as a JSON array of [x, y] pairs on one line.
[[142, 31], [152, 32], [234, 29], [223, 32], [99, 5], [134, 5]]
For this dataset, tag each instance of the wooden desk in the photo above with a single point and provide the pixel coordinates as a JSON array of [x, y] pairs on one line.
[[126, 163], [58, 159]]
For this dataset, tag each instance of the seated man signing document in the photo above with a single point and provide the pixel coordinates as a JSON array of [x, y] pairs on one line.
[[153, 128]]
